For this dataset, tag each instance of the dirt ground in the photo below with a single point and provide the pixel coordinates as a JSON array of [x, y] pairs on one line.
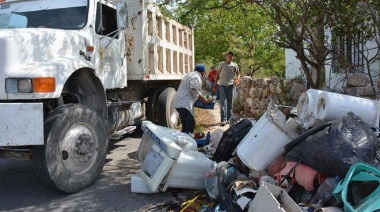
[[208, 120]]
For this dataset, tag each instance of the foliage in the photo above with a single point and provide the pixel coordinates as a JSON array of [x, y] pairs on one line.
[[356, 26], [244, 30], [238, 106], [300, 28], [299, 25], [245, 24]]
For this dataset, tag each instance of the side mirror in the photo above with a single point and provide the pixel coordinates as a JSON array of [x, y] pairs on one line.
[[122, 15]]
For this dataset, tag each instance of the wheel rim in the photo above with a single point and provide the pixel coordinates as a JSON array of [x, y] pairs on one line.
[[79, 149], [173, 116]]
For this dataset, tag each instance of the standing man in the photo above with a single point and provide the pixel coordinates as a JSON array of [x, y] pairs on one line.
[[211, 79], [188, 92], [226, 71]]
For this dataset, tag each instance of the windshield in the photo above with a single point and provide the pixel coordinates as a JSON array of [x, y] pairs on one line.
[[56, 14]]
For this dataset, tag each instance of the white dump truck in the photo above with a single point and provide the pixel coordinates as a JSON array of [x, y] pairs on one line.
[[75, 72]]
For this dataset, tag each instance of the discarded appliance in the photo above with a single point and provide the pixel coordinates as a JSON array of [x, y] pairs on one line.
[[332, 106], [265, 142], [189, 171], [274, 199], [183, 140], [169, 163], [315, 106], [307, 108], [139, 185]]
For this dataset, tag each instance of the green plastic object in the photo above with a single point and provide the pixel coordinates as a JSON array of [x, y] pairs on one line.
[[360, 172]]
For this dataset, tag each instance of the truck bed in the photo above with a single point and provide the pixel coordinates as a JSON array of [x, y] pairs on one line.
[[158, 48]]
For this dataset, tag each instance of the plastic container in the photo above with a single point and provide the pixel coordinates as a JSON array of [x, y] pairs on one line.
[[215, 138], [211, 183], [359, 172], [332, 106], [307, 108], [325, 191], [189, 171], [265, 142], [182, 140], [267, 179]]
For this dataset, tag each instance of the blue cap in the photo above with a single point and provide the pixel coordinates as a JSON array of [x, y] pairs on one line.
[[200, 67]]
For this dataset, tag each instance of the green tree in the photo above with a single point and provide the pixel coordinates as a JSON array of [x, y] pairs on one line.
[[357, 26], [243, 29], [299, 25]]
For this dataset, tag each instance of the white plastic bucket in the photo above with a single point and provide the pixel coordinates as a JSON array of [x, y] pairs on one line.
[[265, 142], [307, 108], [333, 106]]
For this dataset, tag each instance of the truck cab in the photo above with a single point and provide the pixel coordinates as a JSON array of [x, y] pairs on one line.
[[76, 73]]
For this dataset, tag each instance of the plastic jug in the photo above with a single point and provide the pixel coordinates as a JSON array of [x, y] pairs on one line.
[[325, 190]]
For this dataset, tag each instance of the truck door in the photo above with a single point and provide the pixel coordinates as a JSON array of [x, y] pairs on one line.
[[111, 52]]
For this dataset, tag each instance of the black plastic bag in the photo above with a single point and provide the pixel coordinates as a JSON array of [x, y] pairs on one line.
[[334, 149]]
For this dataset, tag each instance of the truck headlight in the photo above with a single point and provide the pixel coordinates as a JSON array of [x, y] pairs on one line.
[[27, 85], [18, 85]]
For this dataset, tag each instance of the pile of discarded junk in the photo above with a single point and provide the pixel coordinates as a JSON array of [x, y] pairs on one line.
[[322, 156]]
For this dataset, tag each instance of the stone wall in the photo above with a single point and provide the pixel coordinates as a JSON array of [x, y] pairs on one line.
[[359, 84], [253, 94]]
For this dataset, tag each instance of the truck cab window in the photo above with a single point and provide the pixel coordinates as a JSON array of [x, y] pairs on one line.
[[106, 23], [53, 14]]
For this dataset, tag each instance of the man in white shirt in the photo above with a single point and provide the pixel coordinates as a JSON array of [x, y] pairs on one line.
[[225, 78], [188, 92]]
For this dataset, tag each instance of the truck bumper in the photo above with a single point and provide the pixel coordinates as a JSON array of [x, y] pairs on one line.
[[21, 124]]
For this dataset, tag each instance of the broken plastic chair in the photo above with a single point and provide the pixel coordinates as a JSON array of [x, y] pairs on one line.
[[360, 172]]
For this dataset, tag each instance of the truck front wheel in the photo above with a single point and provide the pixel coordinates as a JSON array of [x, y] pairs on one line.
[[75, 149]]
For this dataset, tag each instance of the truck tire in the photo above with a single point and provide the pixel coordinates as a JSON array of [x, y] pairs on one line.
[[76, 142], [166, 115], [150, 110]]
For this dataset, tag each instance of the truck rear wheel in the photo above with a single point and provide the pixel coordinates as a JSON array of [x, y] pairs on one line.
[[75, 149], [150, 111], [166, 115]]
